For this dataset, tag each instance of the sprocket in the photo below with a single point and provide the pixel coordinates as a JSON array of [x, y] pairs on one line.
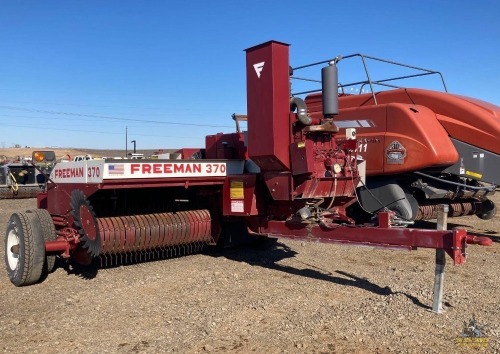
[[86, 223]]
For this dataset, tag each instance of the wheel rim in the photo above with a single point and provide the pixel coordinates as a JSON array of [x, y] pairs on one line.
[[12, 240]]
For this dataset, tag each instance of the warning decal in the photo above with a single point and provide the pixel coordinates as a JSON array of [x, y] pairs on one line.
[[236, 190]]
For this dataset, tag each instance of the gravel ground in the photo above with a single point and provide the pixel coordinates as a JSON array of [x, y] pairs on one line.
[[292, 297]]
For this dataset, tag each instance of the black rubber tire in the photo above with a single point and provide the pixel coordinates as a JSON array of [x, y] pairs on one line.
[[405, 208], [26, 267], [48, 233], [491, 210]]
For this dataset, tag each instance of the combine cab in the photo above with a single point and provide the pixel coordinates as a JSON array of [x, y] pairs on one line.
[[422, 148]]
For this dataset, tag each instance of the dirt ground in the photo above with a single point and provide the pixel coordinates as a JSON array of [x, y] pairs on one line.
[[294, 297]]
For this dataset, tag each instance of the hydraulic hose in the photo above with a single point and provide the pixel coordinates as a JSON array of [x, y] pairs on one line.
[[300, 105]]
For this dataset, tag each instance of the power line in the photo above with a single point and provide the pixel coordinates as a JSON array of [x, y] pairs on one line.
[[62, 119], [98, 132], [82, 105], [180, 113], [113, 118]]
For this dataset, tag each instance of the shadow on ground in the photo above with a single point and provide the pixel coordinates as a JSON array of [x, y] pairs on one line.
[[270, 254]]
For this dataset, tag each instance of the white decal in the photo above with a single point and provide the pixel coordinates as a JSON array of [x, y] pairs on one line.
[[258, 68], [86, 171], [97, 171], [173, 169], [237, 206], [362, 147]]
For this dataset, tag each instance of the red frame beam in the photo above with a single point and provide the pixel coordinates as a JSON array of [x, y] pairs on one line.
[[454, 242]]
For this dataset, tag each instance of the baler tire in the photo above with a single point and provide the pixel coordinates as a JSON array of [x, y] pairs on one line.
[[407, 208], [49, 234], [25, 267], [491, 210]]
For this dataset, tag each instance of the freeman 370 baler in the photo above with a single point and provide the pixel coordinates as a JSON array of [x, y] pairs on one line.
[[291, 175]]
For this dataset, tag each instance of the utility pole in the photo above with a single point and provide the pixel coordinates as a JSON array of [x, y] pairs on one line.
[[133, 141], [126, 141]]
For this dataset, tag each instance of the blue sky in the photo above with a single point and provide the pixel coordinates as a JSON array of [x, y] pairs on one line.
[[81, 73]]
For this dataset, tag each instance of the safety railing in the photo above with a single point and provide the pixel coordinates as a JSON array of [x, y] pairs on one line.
[[386, 82]]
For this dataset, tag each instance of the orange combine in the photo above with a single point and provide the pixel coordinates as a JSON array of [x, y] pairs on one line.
[[422, 147]]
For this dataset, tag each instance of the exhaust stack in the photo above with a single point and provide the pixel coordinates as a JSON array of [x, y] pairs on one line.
[[329, 86]]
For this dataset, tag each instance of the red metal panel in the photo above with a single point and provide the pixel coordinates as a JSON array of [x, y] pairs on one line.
[[239, 196], [328, 187], [302, 158], [58, 199], [211, 146], [268, 105], [279, 185], [41, 200], [225, 146], [189, 153]]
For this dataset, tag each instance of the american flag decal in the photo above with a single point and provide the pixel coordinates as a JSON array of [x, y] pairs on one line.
[[116, 169]]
